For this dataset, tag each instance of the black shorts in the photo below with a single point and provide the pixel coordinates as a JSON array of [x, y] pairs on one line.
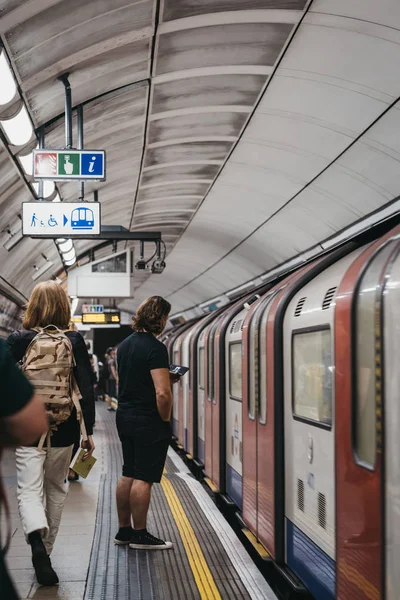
[[143, 458]]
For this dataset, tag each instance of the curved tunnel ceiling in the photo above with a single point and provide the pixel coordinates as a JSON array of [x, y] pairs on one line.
[[246, 131]]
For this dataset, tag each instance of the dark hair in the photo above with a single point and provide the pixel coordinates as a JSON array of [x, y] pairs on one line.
[[151, 314]]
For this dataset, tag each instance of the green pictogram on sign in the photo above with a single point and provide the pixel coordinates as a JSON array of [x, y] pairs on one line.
[[68, 164]]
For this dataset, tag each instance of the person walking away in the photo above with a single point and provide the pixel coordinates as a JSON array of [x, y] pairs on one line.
[[22, 421], [103, 379], [113, 379], [58, 363], [143, 421]]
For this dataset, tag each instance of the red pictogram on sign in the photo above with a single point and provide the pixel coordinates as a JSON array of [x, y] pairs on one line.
[[45, 164]]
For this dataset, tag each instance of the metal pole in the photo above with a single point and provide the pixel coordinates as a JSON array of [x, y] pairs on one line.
[[80, 146], [68, 110], [41, 181], [96, 196]]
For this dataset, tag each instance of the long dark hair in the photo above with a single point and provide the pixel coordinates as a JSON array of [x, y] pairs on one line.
[[151, 315]]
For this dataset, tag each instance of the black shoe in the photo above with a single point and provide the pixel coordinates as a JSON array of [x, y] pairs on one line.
[[124, 536], [45, 574], [143, 540]]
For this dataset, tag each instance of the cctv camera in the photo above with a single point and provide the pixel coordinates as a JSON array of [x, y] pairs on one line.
[[141, 265], [158, 266]]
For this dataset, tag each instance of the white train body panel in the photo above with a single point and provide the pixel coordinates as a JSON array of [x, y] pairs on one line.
[[200, 396], [309, 398], [184, 383], [233, 399]]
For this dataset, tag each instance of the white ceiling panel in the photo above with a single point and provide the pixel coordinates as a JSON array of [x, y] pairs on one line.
[[318, 154], [240, 166]]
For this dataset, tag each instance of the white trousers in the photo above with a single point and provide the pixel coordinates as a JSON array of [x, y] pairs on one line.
[[41, 489]]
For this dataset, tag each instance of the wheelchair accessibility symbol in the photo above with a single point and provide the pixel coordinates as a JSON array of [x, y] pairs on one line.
[[52, 222]]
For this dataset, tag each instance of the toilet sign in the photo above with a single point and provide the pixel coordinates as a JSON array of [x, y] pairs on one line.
[[61, 165]]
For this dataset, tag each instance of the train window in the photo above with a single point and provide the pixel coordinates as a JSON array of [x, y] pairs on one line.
[[211, 362], [312, 365], [263, 362], [210, 372], [254, 364], [367, 359], [201, 368], [235, 370]]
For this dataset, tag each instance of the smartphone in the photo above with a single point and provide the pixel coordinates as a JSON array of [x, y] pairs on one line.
[[178, 370]]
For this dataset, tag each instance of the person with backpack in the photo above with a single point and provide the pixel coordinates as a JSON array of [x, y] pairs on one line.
[[22, 420], [56, 361]]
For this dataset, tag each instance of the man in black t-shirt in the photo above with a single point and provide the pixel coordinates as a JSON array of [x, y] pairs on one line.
[[22, 421], [143, 421]]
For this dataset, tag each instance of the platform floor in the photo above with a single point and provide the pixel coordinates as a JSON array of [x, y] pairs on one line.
[[207, 560]]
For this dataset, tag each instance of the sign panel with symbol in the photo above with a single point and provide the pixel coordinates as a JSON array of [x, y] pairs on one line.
[[93, 308], [59, 219], [61, 165]]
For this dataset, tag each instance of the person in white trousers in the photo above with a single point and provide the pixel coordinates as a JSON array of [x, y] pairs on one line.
[[33, 488], [41, 473]]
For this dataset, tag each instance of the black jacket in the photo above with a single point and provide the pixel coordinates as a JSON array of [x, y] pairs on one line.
[[67, 432]]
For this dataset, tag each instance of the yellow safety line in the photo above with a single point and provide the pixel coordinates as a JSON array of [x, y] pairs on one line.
[[202, 574]]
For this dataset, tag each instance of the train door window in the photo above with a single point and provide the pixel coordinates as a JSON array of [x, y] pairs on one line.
[[210, 367], [189, 364], [211, 360], [235, 370], [367, 359], [312, 373], [263, 363], [254, 364], [201, 368]]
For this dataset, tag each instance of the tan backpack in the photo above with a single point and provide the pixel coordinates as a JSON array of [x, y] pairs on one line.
[[49, 364]]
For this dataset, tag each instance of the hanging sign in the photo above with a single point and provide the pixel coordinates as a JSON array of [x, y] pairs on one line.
[[61, 165], [59, 219], [108, 318], [92, 308]]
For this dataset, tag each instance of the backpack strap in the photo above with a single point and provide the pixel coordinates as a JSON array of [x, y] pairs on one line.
[[76, 396], [4, 502]]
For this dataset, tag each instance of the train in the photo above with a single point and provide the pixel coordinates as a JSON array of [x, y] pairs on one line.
[[291, 409], [82, 218]]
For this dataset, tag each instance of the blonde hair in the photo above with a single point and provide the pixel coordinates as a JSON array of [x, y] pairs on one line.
[[151, 315], [48, 305]]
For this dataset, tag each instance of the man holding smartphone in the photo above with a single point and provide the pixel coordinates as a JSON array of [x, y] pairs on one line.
[[143, 421]]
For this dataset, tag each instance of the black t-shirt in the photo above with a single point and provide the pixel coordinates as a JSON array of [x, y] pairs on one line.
[[67, 433], [16, 391], [137, 411]]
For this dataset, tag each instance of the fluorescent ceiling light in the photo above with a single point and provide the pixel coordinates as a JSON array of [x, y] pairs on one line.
[[27, 164], [8, 88], [69, 263], [39, 272], [18, 129], [69, 255], [74, 305], [66, 246], [57, 198], [61, 240], [13, 241], [48, 188]]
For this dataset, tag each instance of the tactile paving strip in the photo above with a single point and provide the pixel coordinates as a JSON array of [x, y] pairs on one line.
[[118, 573]]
